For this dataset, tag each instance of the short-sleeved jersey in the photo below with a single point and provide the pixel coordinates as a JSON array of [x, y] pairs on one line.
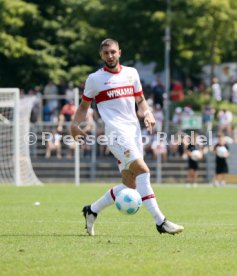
[[115, 94]]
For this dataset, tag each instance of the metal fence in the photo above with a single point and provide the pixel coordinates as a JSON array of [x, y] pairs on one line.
[[96, 163]]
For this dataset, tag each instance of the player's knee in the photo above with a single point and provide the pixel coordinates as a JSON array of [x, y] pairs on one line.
[[139, 167], [142, 170]]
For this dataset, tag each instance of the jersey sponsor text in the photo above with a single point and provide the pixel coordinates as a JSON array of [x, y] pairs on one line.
[[123, 91]]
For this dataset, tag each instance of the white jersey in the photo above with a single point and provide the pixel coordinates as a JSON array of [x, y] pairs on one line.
[[114, 94]]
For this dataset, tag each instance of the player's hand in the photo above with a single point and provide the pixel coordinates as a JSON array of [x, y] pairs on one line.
[[77, 132], [149, 121]]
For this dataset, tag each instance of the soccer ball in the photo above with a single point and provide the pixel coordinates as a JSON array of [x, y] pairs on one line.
[[221, 151], [128, 201], [196, 155]]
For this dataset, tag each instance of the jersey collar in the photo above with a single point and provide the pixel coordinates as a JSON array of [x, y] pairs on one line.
[[107, 70]]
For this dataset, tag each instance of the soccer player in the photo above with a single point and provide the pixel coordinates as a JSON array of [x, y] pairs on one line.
[[116, 89]]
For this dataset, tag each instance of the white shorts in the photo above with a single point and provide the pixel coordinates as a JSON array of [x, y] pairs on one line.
[[126, 150]]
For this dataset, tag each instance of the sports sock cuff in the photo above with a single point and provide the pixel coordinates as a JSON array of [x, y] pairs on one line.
[[144, 177], [144, 186], [112, 194], [148, 197]]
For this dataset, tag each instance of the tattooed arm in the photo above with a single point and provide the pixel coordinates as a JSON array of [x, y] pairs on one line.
[[143, 107]]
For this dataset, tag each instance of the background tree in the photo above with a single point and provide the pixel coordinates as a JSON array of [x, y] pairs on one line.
[[44, 40], [59, 39], [13, 45], [203, 32]]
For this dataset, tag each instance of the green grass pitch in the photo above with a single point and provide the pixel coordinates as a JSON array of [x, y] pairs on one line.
[[50, 239]]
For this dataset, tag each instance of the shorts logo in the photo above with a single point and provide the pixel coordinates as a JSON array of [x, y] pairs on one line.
[[127, 153]]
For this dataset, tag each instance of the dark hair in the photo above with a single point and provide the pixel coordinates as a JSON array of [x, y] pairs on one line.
[[108, 42]]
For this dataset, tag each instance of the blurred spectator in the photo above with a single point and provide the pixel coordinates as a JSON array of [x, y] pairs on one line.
[[189, 87], [221, 151], [51, 92], [177, 117], [177, 93], [159, 117], [22, 92], [46, 113], [225, 122], [71, 145], [38, 92], [188, 111], [66, 114], [158, 91], [36, 109], [159, 148], [208, 116], [202, 88], [234, 93], [193, 160], [103, 150], [54, 144], [62, 87], [147, 141], [175, 144], [68, 111], [216, 90], [228, 139], [70, 92], [147, 89], [234, 134], [50, 88], [150, 103]]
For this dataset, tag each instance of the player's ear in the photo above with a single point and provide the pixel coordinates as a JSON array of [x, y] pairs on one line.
[[120, 52]]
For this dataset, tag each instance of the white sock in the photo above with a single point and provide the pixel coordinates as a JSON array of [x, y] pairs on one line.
[[148, 197], [107, 199]]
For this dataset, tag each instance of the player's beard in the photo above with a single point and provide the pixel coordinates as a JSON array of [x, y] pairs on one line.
[[113, 65]]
